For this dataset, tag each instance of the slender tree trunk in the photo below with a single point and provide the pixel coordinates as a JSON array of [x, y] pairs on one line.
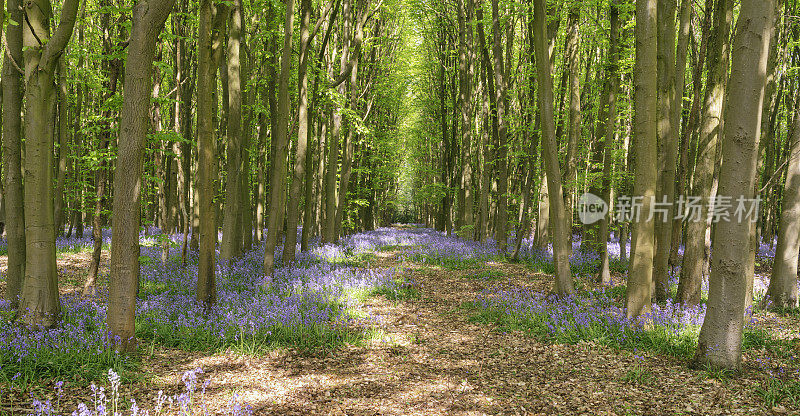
[[63, 125], [720, 342], [148, 21], [111, 72], [782, 290], [281, 140], [207, 152], [329, 229], [640, 274], [232, 227], [684, 33], [293, 211], [40, 304], [12, 153], [667, 144], [561, 237], [694, 258], [502, 122], [609, 135], [574, 72], [248, 98]]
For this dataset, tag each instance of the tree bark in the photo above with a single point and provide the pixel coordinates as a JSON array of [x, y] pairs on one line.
[[293, 212], [148, 21], [63, 125], [609, 135], [231, 228], [12, 153], [694, 258], [640, 274], [502, 131], [782, 289], [667, 144], [207, 152], [720, 342], [281, 139], [561, 237], [40, 303]]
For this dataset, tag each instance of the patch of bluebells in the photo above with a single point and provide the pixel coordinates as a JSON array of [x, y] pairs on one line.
[[435, 248], [596, 316], [108, 403], [310, 294]]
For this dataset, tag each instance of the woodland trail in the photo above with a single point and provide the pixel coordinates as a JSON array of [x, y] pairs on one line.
[[432, 360]]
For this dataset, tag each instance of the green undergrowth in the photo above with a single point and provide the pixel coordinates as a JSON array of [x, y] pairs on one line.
[[584, 268], [486, 274]]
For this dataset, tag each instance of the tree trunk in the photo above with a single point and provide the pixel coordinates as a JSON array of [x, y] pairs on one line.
[[684, 34], [293, 212], [111, 73], [574, 72], [40, 304], [667, 145], [12, 153], [148, 21], [502, 131], [466, 73], [720, 342], [207, 152], [561, 236], [609, 135], [640, 274], [63, 125], [281, 140], [782, 290], [232, 227], [694, 258]]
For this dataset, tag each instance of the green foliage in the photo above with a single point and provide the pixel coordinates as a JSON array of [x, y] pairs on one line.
[[776, 392], [487, 274], [639, 375]]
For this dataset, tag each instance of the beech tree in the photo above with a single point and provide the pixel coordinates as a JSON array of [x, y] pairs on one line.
[[720, 343], [40, 305], [148, 21]]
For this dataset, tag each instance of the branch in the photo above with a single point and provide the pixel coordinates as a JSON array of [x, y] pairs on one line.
[[58, 42], [359, 39], [322, 19]]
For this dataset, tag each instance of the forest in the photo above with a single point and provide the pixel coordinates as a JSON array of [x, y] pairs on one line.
[[400, 207]]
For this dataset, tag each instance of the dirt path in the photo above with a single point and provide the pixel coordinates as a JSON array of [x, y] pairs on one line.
[[433, 361]]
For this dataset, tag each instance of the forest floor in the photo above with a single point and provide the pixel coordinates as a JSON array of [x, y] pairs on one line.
[[432, 358]]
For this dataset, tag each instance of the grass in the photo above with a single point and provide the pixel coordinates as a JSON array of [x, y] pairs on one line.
[[398, 293], [640, 376], [78, 363], [487, 274], [584, 268], [777, 392]]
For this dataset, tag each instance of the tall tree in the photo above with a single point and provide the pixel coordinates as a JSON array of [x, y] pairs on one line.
[[12, 153], [40, 304], [695, 255], [209, 26], [278, 177], [782, 289], [609, 112], [645, 98], [231, 224], [293, 212], [149, 17], [667, 143], [563, 283], [720, 342], [502, 130]]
